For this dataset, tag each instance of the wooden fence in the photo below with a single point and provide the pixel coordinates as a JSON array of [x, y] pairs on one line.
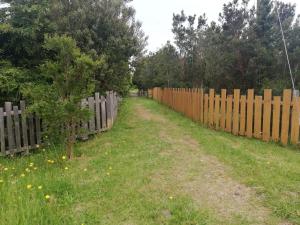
[[267, 117], [20, 132]]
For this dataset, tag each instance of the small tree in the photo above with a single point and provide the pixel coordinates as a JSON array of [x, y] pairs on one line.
[[69, 76]]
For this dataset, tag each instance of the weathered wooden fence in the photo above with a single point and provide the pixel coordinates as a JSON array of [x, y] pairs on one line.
[[20, 132], [267, 117]]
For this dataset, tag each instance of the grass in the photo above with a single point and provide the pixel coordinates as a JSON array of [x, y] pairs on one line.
[[272, 170], [108, 182]]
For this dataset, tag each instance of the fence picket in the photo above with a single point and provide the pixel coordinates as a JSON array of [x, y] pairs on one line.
[[257, 116], [201, 105], [206, 109], [217, 112], [276, 118], [9, 126], [103, 113], [17, 128], [295, 121], [211, 107], [267, 114], [223, 108], [91, 102], [250, 98], [98, 116], [229, 114], [243, 116], [2, 135], [287, 94], [24, 127], [236, 109]]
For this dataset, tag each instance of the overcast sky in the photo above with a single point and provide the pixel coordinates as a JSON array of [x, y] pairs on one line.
[[156, 15]]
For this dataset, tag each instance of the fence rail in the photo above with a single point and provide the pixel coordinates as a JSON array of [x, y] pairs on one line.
[[267, 117], [20, 132]]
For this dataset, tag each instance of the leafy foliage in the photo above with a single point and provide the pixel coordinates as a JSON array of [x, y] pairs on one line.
[[58, 103], [104, 29], [243, 50]]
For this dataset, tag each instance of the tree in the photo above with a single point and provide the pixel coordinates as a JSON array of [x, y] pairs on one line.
[[69, 74]]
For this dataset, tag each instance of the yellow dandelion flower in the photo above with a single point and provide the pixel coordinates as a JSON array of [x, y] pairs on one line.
[[107, 174], [1, 181], [66, 168], [22, 175], [171, 197], [47, 197], [64, 158], [52, 161], [27, 170], [35, 168], [29, 186], [40, 187], [110, 168], [5, 169], [31, 165], [13, 168], [85, 170]]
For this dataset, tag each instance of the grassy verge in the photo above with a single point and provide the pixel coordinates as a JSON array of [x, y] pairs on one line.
[[105, 184], [273, 171], [108, 182]]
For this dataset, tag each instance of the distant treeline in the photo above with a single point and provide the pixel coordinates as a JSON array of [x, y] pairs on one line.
[[105, 30], [243, 50]]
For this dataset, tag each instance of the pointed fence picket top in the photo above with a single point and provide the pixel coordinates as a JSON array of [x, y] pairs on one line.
[[20, 131], [266, 117]]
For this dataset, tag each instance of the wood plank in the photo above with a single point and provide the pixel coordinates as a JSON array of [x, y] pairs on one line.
[[276, 118], [24, 127], [211, 107], [206, 109], [17, 128], [103, 113], [31, 131], [250, 98], [257, 116], [236, 109], [223, 109], [9, 126], [98, 115], [38, 130], [285, 122], [84, 124], [201, 106], [267, 114], [243, 116], [295, 121], [2, 134], [217, 112], [110, 107], [91, 102], [229, 114]]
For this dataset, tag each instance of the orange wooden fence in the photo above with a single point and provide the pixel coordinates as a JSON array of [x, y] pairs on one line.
[[267, 117]]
